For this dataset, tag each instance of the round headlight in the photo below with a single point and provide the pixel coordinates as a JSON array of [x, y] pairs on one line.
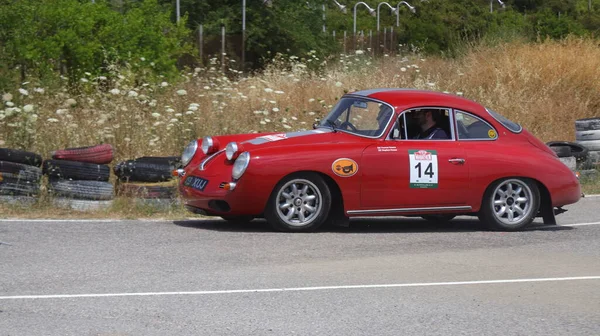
[[240, 165], [188, 152], [207, 144], [231, 150]]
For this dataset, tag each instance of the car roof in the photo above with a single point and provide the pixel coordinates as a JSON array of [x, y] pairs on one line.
[[404, 98]]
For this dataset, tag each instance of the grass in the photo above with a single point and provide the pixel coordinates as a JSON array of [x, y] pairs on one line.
[[544, 86]]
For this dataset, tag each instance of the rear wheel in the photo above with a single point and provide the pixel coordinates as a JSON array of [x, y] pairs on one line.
[[300, 202], [510, 204]]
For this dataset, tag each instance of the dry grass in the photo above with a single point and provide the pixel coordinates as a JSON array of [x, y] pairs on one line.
[[544, 86]]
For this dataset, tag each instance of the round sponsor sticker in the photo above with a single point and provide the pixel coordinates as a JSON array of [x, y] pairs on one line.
[[492, 133], [344, 167]]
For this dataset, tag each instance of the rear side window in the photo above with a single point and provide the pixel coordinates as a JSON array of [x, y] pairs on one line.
[[512, 126], [469, 126]]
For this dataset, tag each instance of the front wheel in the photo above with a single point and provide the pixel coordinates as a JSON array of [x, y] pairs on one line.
[[510, 204], [300, 202]]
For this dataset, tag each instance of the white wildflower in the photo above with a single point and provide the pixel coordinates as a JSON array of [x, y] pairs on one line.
[[268, 120], [193, 108], [52, 120], [28, 108], [132, 94], [262, 122], [10, 104], [7, 97], [156, 115], [279, 92], [287, 126], [84, 80], [61, 111], [275, 109], [174, 120], [189, 112], [115, 91], [338, 84], [181, 92], [24, 92], [178, 114], [268, 90], [164, 84], [127, 140], [152, 103], [311, 100], [2, 142], [403, 69], [170, 110], [294, 118], [39, 90]]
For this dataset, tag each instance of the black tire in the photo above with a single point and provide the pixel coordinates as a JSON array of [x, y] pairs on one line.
[[487, 212], [83, 190], [587, 135], [575, 149], [164, 160], [16, 187], [318, 188], [238, 219], [20, 156], [143, 171], [588, 124], [65, 169], [438, 218], [20, 171], [99, 154], [592, 145]]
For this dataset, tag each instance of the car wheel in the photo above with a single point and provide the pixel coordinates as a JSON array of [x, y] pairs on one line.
[[238, 219], [510, 204], [438, 218], [300, 202]]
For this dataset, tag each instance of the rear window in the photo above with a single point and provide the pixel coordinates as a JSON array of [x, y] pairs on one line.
[[512, 126]]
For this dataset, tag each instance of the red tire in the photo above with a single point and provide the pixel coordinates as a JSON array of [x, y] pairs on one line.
[[100, 154]]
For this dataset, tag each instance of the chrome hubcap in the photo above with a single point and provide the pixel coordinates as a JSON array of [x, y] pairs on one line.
[[298, 202], [512, 202]]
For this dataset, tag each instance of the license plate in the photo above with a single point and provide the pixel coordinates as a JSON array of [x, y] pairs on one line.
[[195, 182]]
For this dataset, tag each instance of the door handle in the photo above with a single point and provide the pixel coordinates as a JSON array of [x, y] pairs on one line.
[[461, 161]]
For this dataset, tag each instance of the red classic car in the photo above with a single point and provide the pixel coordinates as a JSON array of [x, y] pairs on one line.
[[381, 152]]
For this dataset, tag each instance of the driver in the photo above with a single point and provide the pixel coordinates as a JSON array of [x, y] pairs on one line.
[[426, 119]]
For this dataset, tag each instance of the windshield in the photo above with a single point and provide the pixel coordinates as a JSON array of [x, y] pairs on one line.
[[359, 116]]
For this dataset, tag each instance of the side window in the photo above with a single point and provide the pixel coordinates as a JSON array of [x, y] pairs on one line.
[[427, 124], [469, 126]]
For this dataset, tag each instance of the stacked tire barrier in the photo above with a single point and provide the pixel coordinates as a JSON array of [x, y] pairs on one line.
[[583, 155], [20, 176], [148, 180], [78, 177], [587, 134]]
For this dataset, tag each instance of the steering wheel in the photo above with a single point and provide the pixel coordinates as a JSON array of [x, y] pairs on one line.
[[345, 125]]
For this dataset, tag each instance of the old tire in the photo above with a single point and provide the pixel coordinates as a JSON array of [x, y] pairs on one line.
[[74, 170], [299, 203], [20, 171], [506, 198], [83, 190], [16, 187], [577, 150], [144, 171], [591, 145], [20, 156], [587, 124], [100, 154]]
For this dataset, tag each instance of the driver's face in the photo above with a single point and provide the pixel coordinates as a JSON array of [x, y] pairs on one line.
[[419, 118]]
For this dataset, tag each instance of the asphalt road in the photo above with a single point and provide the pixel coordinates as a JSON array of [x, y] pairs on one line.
[[210, 278]]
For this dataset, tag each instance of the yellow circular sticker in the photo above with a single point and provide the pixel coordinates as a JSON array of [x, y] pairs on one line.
[[492, 133], [344, 167]]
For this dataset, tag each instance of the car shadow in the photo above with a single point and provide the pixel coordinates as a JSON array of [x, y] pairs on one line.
[[367, 225]]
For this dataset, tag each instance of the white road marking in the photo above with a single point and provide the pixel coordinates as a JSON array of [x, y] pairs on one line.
[[297, 289], [580, 224]]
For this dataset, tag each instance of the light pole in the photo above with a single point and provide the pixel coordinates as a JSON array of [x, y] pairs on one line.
[[340, 6], [492, 7], [394, 10], [371, 11], [412, 9], [177, 6]]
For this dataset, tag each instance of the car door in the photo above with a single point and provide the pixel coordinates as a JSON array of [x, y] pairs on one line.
[[406, 173]]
